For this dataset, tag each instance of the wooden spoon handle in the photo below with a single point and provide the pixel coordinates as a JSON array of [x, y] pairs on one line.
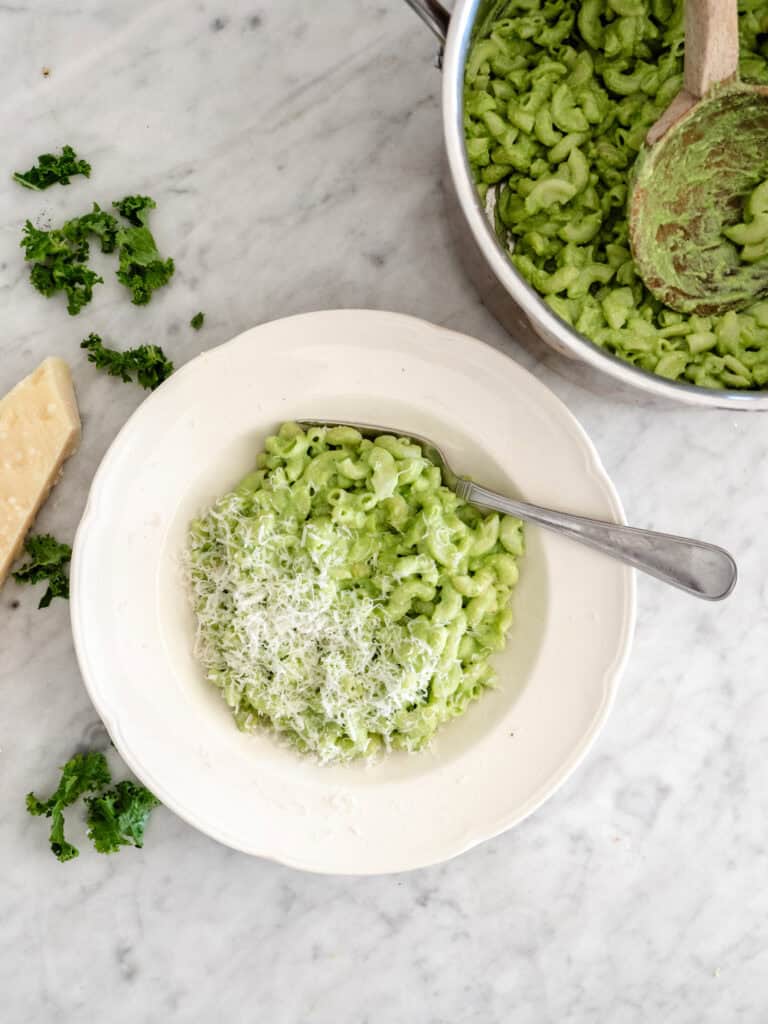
[[711, 56], [711, 43]]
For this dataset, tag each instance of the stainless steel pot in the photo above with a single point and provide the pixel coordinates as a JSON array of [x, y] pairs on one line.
[[502, 288]]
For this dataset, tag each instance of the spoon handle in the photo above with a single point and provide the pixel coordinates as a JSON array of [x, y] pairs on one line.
[[700, 569], [711, 44], [433, 14]]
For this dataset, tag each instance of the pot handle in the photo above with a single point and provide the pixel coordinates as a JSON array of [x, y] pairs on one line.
[[433, 14]]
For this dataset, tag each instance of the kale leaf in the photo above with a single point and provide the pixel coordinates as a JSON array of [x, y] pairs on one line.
[[101, 224], [48, 557], [83, 773], [119, 816], [147, 364], [115, 817], [142, 268], [59, 255], [51, 169]]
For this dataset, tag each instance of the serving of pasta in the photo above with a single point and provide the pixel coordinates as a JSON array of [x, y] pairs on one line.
[[344, 598]]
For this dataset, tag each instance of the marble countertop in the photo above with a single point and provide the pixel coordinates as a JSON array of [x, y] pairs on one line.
[[295, 158]]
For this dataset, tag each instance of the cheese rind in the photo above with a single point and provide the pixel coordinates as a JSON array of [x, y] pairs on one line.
[[39, 430]]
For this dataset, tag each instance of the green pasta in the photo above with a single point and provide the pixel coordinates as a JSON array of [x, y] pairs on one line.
[[558, 98], [752, 234], [345, 598]]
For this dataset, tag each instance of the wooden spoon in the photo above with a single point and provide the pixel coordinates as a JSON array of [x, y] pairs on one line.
[[700, 161]]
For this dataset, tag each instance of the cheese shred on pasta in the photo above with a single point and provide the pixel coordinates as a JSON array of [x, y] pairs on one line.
[[344, 598]]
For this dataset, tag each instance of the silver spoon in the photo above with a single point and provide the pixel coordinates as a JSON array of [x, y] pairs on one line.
[[701, 569]]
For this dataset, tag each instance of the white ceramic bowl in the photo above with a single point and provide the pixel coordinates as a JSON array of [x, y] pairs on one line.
[[191, 440]]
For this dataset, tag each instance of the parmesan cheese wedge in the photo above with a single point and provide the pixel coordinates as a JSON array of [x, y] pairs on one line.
[[39, 430]]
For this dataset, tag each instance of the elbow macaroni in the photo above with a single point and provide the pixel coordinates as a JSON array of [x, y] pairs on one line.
[[752, 234], [345, 598]]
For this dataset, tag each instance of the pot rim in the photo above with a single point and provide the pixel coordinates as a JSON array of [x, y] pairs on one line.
[[534, 307]]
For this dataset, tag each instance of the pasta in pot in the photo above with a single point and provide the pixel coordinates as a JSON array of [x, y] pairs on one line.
[[347, 600], [558, 98]]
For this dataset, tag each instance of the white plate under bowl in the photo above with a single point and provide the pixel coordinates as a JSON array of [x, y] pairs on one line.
[[192, 440]]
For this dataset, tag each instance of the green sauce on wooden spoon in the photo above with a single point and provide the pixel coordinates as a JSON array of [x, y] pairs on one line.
[[698, 202]]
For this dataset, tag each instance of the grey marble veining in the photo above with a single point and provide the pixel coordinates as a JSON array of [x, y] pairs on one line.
[[294, 150]]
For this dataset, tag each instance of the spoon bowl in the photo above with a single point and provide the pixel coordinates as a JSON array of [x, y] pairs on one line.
[[687, 189], [700, 162]]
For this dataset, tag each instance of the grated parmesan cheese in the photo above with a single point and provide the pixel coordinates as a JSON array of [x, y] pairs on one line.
[[286, 644]]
